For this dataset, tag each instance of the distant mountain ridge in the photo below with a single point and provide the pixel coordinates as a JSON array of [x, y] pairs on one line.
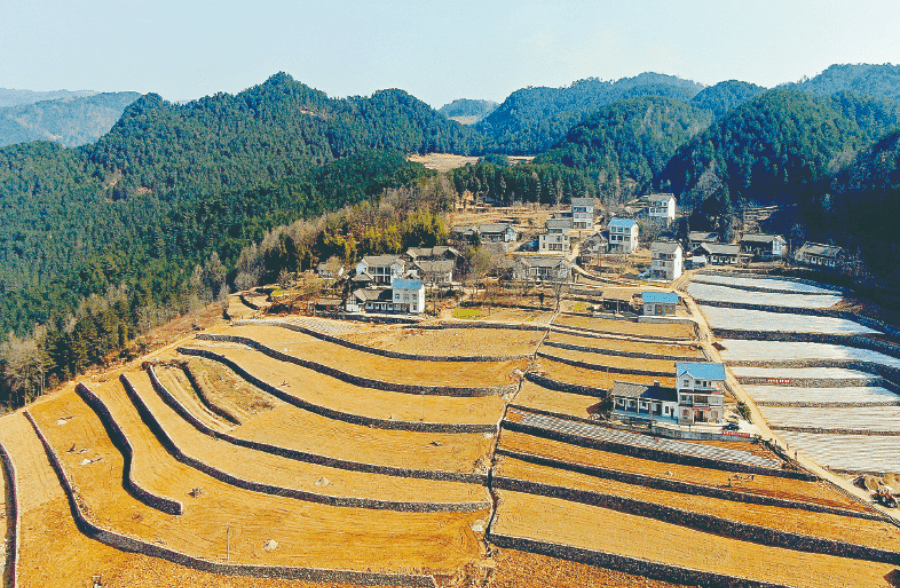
[[468, 111], [70, 121], [13, 97]]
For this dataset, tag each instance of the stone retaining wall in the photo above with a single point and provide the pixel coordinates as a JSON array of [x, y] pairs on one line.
[[653, 454], [885, 371], [552, 384], [252, 305], [605, 368], [640, 567], [617, 353], [132, 545], [481, 325], [370, 318], [204, 398], [687, 487], [814, 383], [382, 352], [780, 404], [824, 431], [117, 436], [702, 522], [626, 336], [336, 414], [168, 398], [698, 278], [14, 520], [166, 440], [470, 392], [730, 274]]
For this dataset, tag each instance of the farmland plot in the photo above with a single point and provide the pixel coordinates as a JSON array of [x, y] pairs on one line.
[[758, 320], [784, 350], [701, 291], [870, 418], [793, 394], [766, 283], [800, 373], [858, 453]]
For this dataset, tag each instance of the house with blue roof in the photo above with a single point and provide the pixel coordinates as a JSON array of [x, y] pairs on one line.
[[701, 392], [408, 296], [659, 303], [623, 235]]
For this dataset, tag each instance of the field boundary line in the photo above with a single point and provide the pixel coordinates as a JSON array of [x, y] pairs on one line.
[[336, 414], [14, 520], [132, 545], [121, 442], [607, 368], [618, 353], [304, 456]]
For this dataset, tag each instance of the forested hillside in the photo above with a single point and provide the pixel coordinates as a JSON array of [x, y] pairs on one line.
[[882, 81], [12, 97], [725, 96], [467, 111], [71, 121], [534, 119]]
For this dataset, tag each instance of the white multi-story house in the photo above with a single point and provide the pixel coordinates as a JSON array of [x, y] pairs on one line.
[[701, 392], [382, 269], [408, 296], [556, 239], [583, 214], [662, 206], [623, 235], [667, 260]]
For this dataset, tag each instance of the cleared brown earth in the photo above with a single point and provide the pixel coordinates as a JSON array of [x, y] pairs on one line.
[[814, 492], [227, 391], [53, 552], [626, 327], [593, 378], [853, 530], [329, 392], [535, 396], [613, 361], [294, 428], [568, 523], [625, 345], [176, 382], [517, 569], [345, 538], [368, 365], [288, 473], [451, 342], [518, 316]]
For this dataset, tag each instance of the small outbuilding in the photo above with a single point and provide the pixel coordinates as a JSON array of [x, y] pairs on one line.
[[659, 303]]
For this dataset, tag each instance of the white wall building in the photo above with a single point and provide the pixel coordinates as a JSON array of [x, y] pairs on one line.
[[623, 235], [556, 239], [583, 214], [701, 392], [383, 269], [408, 296], [662, 206], [667, 260]]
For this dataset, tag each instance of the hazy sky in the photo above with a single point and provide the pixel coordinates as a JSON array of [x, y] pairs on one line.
[[437, 51]]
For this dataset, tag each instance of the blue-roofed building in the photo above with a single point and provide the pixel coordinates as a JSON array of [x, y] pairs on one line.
[[659, 303], [701, 392], [623, 235], [408, 296]]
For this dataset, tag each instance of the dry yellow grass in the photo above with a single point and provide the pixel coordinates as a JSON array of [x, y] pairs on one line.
[[451, 342], [876, 534], [534, 396], [345, 538], [627, 327], [328, 392], [613, 361], [814, 492], [593, 378], [684, 350], [578, 525]]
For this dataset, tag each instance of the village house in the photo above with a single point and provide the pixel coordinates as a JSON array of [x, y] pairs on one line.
[[719, 254], [583, 214], [592, 248], [331, 269], [659, 303], [408, 296], [661, 207], [667, 260], [623, 235], [438, 252], [437, 272], [819, 255], [498, 232], [617, 302], [380, 269], [641, 401], [371, 300], [697, 238], [701, 392], [546, 268], [556, 239], [763, 247]]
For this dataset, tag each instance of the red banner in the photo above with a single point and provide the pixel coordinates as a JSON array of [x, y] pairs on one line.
[[778, 380], [736, 433]]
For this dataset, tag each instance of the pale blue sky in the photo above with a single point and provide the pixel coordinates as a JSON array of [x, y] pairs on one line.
[[437, 51]]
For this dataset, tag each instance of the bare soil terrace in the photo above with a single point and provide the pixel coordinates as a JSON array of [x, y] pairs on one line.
[[626, 345], [613, 361], [627, 327], [228, 392], [593, 378], [553, 520], [536, 396], [293, 428], [329, 392], [53, 552], [877, 534], [812, 492], [345, 538], [401, 371], [451, 342]]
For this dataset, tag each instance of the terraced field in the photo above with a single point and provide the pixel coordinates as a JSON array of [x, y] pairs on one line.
[[709, 292], [758, 320], [223, 469], [676, 332]]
